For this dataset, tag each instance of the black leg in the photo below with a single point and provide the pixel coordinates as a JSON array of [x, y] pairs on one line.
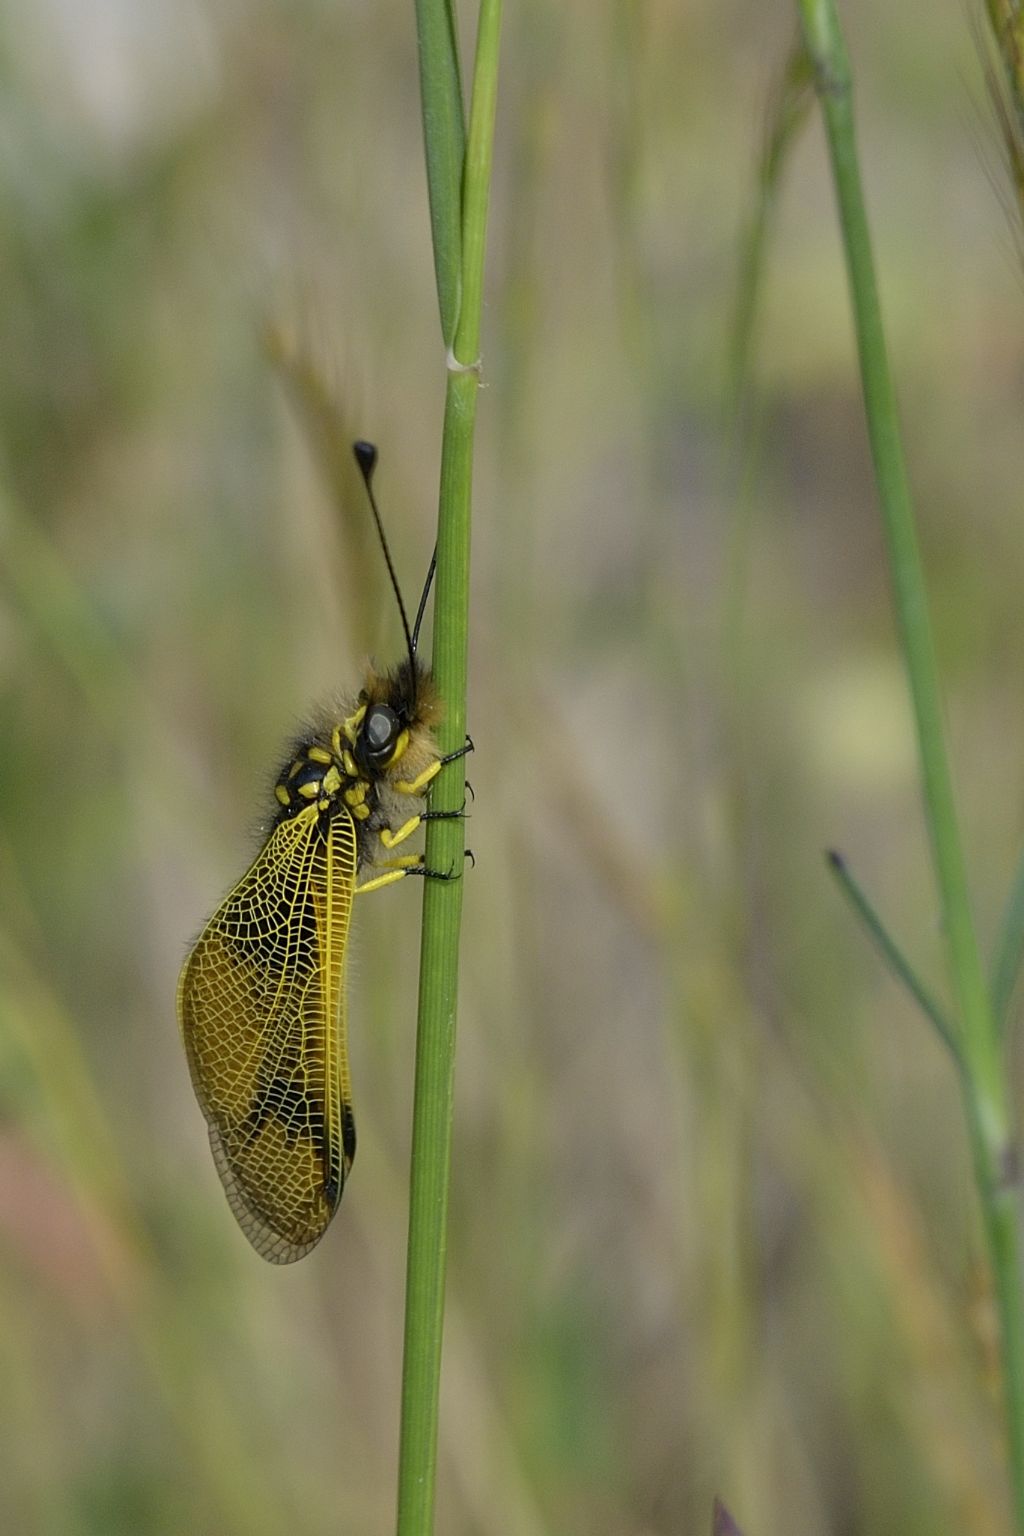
[[462, 751], [441, 874], [445, 815]]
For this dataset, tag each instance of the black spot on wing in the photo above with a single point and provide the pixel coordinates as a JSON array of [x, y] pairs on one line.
[[348, 1132], [287, 1099]]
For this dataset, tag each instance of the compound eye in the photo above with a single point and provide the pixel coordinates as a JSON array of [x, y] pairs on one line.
[[381, 729]]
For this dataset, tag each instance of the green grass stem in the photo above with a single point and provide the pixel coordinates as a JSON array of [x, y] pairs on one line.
[[984, 1079], [444, 138], [891, 953], [442, 903]]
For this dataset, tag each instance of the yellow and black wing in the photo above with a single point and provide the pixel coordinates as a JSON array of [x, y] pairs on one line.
[[262, 1007]]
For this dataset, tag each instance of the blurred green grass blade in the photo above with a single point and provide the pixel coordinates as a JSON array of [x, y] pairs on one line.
[[1000, 51], [60, 612], [788, 109], [1007, 24], [1009, 950], [891, 953], [983, 1079], [980, 1047], [745, 418], [444, 136], [80, 1139], [331, 428]]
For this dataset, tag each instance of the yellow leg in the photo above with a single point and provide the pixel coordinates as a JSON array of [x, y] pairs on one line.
[[390, 839], [396, 869], [417, 785]]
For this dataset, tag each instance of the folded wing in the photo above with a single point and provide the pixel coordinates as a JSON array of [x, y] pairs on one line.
[[262, 1008]]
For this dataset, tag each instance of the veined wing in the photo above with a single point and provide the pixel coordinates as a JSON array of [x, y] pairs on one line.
[[262, 1007]]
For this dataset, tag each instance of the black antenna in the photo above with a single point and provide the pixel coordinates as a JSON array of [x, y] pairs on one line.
[[366, 458], [423, 600]]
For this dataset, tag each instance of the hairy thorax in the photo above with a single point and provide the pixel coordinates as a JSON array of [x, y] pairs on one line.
[[373, 759]]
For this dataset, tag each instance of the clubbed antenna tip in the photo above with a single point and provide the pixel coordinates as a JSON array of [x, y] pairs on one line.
[[366, 458]]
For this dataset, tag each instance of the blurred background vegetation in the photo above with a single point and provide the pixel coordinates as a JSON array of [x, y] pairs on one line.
[[713, 1228]]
